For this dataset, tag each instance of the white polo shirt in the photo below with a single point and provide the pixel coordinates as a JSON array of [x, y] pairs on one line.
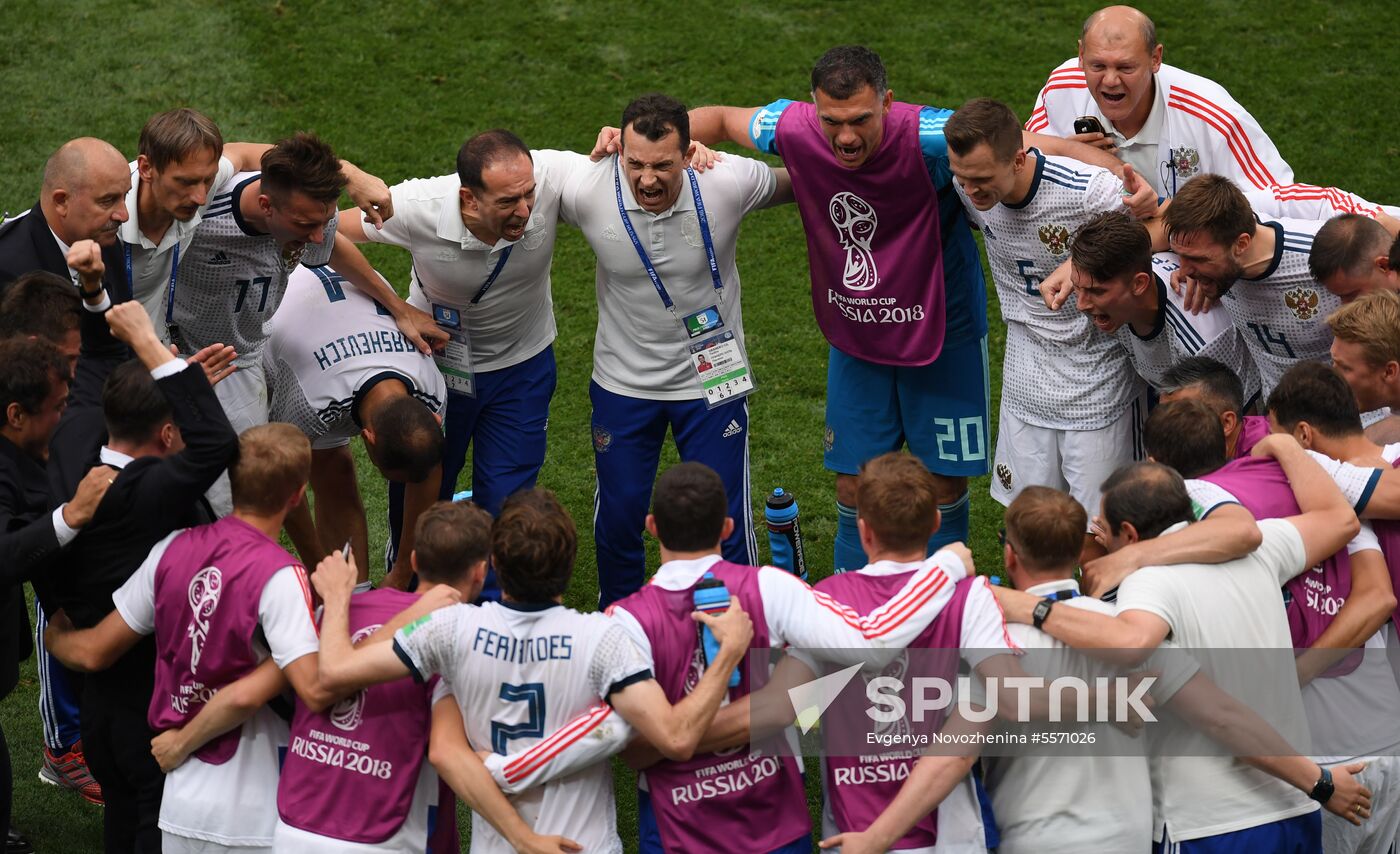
[[149, 274], [1100, 801], [640, 349], [1227, 615], [514, 320], [1140, 151]]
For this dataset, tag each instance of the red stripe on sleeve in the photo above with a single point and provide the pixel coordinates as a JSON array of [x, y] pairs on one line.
[[552, 746]]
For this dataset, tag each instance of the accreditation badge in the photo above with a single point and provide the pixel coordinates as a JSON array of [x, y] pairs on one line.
[[720, 365], [455, 360]]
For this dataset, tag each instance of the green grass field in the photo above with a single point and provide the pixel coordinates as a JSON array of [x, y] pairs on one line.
[[396, 87]]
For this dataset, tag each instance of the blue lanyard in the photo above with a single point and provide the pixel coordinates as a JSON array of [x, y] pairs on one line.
[[174, 268], [642, 253], [491, 279], [1061, 595]]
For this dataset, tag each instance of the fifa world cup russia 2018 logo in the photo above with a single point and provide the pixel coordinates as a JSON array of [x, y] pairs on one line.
[[855, 222], [204, 592], [348, 713]]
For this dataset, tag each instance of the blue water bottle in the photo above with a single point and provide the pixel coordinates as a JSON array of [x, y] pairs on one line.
[[712, 597], [784, 533]]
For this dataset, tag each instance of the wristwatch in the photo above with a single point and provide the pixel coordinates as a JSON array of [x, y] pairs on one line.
[[1322, 790], [89, 294], [1041, 611]]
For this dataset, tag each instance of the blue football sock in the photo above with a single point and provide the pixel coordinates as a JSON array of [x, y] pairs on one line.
[[954, 525], [848, 553]]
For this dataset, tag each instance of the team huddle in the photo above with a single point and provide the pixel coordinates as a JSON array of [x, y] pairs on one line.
[[1193, 450]]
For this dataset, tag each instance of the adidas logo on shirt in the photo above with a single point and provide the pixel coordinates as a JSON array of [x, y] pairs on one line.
[[733, 429], [610, 234], [218, 259]]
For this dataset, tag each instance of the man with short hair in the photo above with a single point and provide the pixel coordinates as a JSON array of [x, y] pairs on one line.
[[522, 667], [1071, 405], [669, 351], [82, 198], [337, 366], [482, 240], [1211, 803], [1213, 382], [896, 280], [1351, 256], [181, 160], [1278, 307], [43, 305], [219, 599], [1171, 125], [257, 229], [1125, 289], [1366, 348]]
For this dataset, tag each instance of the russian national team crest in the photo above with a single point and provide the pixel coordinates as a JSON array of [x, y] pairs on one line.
[[602, 439], [1302, 302], [1055, 237], [855, 222], [1185, 161]]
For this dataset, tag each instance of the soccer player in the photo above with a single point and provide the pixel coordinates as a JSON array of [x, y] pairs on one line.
[[1278, 307], [1366, 348], [1125, 290], [1351, 698], [1171, 125], [522, 667], [219, 599], [1216, 802], [337, 366], [668, 294], [181, 159], [256, 230], [896, 281], [1351, 256], [482, 240], [1071, 405]]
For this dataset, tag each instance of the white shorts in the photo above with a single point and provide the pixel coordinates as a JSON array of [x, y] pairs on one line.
[[243, 395], [1377, 834], [1075, 461], [171, 843]]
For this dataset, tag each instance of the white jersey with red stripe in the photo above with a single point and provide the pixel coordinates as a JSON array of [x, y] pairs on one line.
[[1203, 129], [519, 672], [797, 616], [1309, 201]]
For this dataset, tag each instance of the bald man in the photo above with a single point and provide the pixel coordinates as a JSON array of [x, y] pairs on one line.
[[1169, 124], [83, 198]]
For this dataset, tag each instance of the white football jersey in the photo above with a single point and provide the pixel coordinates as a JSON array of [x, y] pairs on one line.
[[1282, 315], [327, 345], [234, 277], [1060, 371], [518, 673], [1177, 334]]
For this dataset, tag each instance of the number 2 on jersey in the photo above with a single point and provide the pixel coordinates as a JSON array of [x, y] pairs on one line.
[[530, 693], [244, 284]]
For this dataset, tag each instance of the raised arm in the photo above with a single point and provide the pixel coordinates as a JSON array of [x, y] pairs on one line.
[[415, 323], [342, 667], [711, 125], [1327, 522]]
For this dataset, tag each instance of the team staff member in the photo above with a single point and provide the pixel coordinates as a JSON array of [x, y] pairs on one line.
[[337, 367], [482, 241], [1171, 125], [669, 348], [181, 158], [896, 279], [83, 198]]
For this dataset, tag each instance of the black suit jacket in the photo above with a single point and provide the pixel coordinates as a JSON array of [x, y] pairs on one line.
[[27, 244], [149, 499], [27, 542]]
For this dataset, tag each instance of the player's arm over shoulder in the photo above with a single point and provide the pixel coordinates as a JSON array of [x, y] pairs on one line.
[[751, 127]]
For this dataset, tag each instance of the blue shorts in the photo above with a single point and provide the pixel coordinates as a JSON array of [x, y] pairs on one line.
[[1298, 835], [940, 410]]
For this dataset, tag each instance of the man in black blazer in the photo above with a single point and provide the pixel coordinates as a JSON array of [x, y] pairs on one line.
[[83, 198], [33, 388], [170, 439]]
